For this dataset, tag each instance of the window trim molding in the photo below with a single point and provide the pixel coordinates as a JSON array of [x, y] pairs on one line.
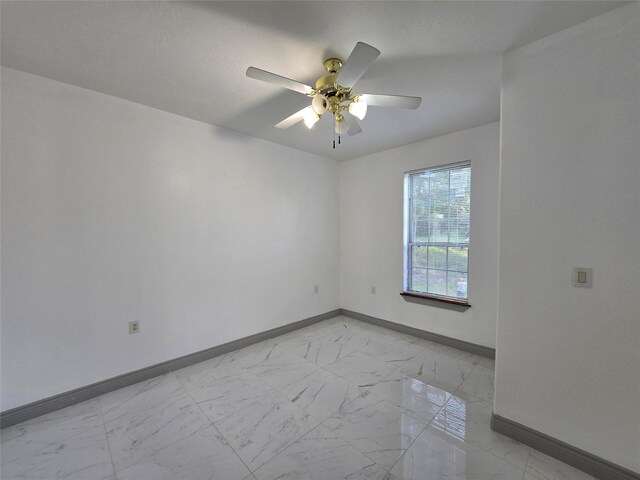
[[447, 166], [435, 298], [411, 294]]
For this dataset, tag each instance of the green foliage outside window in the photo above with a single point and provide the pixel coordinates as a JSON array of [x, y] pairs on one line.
[[439, 223]]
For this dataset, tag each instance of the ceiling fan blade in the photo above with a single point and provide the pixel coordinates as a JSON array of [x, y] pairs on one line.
[[354, 126], [359, 61], [293, 119], [398, 101], [279, 80]]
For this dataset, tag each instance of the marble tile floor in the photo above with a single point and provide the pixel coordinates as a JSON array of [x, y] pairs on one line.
[[340, 399]]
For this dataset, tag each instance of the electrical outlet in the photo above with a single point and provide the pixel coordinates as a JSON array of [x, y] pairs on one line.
[[134, 327], [582, 277], [316, 289]]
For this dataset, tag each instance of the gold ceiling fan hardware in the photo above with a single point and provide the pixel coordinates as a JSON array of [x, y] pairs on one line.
[[333, 104], [328, 85], [333, 65], [333, 92]]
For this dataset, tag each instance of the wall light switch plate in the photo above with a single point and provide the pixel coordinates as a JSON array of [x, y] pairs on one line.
[[582, 277]]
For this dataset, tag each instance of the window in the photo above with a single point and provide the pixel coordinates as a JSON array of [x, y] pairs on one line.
[[436, 237]]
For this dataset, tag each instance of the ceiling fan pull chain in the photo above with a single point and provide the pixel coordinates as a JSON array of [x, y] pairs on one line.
[[334, 132], [338, 139]]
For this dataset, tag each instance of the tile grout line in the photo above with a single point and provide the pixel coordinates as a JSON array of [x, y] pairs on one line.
[[104, 426], [483, 448], [170, 444], [358, 350], [397, 368], [526, 464], [276, 392], [320, 422], [456, 389], [285, 448], [421, 432], [366, 391], [298, 438], [213, 425]]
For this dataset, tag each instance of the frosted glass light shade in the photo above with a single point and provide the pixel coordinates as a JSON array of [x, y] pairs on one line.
[[310, 117], [358, 108], [342, 126], [319, 104]]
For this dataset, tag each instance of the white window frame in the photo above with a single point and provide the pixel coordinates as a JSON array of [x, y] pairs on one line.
[[409, 243]]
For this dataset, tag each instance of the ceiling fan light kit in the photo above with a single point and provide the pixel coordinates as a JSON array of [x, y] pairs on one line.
[[337, 98], [358, 107], [342, 126], [319, 104]]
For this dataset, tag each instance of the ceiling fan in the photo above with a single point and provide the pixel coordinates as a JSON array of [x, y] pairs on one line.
[[333, 93]]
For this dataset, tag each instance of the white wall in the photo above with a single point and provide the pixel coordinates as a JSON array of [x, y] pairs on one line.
[[568, 359], [113, 211], [371, 206]]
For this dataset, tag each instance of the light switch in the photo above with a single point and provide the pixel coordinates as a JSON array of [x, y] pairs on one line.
[[582, 277]]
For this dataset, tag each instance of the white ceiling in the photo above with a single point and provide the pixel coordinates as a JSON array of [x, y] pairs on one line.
[[190, 58]]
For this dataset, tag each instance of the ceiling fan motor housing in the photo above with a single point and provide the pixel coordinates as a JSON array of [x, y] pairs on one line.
[[327, 85]]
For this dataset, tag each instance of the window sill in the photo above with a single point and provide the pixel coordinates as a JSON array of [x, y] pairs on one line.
[[434, 299]]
